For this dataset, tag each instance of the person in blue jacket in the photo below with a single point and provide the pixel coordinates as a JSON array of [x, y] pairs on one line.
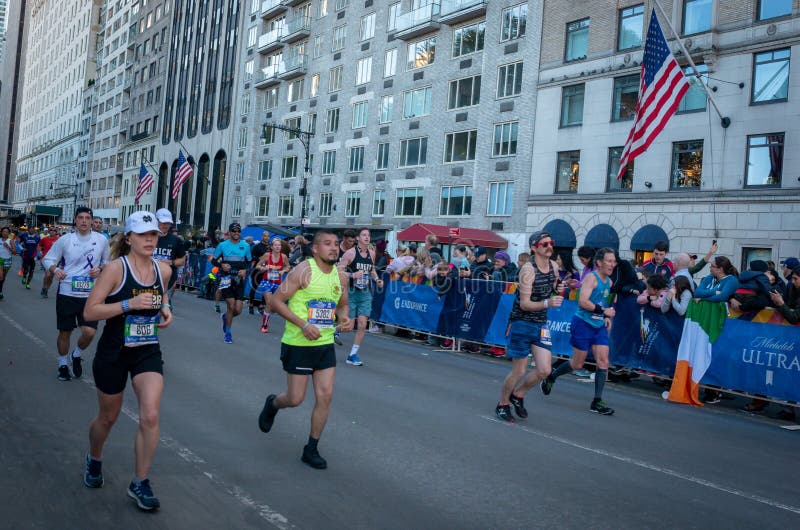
[[721, 284]]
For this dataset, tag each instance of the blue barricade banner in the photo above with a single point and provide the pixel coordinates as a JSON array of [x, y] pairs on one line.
[[757, 354]]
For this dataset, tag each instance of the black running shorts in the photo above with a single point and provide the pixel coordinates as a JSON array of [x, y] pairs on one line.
[[236, 289], [305, 360], [69, 313], [110, 370]]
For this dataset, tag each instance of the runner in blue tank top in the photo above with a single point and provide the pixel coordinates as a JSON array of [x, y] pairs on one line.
[[590, 329]]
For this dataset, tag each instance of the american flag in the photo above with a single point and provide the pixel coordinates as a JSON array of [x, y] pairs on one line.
[[661, 89], [182, 174], [145, 183]]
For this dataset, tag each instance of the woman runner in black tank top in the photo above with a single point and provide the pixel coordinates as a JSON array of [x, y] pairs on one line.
[[130, 296]]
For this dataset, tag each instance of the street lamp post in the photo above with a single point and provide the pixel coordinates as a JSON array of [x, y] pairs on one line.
[[305, 139]]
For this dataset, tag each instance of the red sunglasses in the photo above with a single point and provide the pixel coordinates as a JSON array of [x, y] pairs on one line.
[[551, 243]]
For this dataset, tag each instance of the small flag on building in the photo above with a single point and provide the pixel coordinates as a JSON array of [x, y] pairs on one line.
[[182, 174], [145, 183], [661, 88]]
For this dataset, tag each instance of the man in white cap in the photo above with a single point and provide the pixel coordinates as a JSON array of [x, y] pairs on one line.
[[170, 247]]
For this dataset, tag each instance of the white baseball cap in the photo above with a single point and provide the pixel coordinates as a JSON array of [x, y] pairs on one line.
[[141, 222], [164, 216]]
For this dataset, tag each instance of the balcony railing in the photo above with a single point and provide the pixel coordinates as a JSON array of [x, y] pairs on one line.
[[294, 66], [270, 8], [455, 11], [270, 41], [417, 22], [269, 76], [297, 29]]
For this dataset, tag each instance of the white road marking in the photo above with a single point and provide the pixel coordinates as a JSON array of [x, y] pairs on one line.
[[266, 513], [653, 467]]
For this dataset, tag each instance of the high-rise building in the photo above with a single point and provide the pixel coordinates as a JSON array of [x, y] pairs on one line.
[[421, 112], [699, 180], [59, 66], [12, 74], [104, 172], [3, 24]]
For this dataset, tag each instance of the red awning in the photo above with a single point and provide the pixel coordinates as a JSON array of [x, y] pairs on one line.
[[467, 236]]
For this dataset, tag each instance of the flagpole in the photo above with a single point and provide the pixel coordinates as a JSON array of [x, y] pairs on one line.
[[208, 180], [146, 161], [724, 120]]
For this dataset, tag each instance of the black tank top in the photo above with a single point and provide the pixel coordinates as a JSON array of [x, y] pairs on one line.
[[542, 287], [361, 263], [128, 328]]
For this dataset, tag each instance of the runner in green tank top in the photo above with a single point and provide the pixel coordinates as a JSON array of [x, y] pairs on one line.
[[314, 304]]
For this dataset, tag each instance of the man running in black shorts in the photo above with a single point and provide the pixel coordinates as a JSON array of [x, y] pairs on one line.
[[312, 300], [234, 257]]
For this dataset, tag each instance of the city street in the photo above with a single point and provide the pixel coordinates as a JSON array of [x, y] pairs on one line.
[[412, 442]]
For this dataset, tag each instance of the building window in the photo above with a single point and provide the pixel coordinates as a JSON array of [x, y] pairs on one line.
[[774, 8], [332, 121], [356, 159], [390, 63], [317, 52], [314, 85], [242, 137], [456, 200], [322, 8], [352, 204], [514, 20], [312, 122], [413, 152], [341, 4], [294, 92], [294, 125], [267, 135], [631, 24], [248, 70], [505, 139], [263, 207], [509, 80], [409, 202], [387, 105], [572, 105], [394, 12], [687, 164], [383, 156], [421, 53], [325, 204], [695, 97], [286, 206], [236, 210], [460, 146], [271, 99], [364, 71], [468, 39], [501, 195], [764, 160], [417, 102], [626, 93], [238, 176], [696, 16], [265, 170], [328, 162], [771, 76], [339, 35], [252, 36], [335, 78], [626, 182], [464, 92], [289, 167], [245, 104], [577, 40], [567, 171], [378, 203], [368, 26], [360, 111]]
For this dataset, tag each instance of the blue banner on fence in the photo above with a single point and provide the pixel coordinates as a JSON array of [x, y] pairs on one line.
[[412, 306], [478, 300]]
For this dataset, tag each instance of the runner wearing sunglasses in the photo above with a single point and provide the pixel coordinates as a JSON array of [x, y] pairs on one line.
[[233, 256]]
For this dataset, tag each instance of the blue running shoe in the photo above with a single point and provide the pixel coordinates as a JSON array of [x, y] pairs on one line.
[[93, 476], [354, 360], [228, 338], [142, 493]]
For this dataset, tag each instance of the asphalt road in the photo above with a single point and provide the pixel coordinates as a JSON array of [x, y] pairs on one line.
[[412, 442]]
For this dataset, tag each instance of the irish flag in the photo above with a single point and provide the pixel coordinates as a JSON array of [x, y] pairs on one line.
[[702, 327]]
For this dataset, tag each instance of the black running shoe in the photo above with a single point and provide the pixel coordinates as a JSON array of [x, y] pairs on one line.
[[547, 385], [268, 413], [313, 459], [63, 373], [504, 413], [599, 406], [142, 493], [77, 369], [519, 407], [93, 476]]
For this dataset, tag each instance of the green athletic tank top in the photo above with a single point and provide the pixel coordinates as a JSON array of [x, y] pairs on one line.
[[315, 304]]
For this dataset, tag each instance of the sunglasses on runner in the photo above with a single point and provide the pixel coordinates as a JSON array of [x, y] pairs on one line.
[[551, 243]]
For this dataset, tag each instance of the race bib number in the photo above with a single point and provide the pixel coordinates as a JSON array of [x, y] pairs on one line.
[[82, 284], [141, 330], [224, 282], [544, 336], [160, 257], [361, 283], [273, 275], [321, 313]]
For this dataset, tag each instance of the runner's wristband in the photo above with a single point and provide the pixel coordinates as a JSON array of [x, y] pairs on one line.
[[126, 306], [598, 309]]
